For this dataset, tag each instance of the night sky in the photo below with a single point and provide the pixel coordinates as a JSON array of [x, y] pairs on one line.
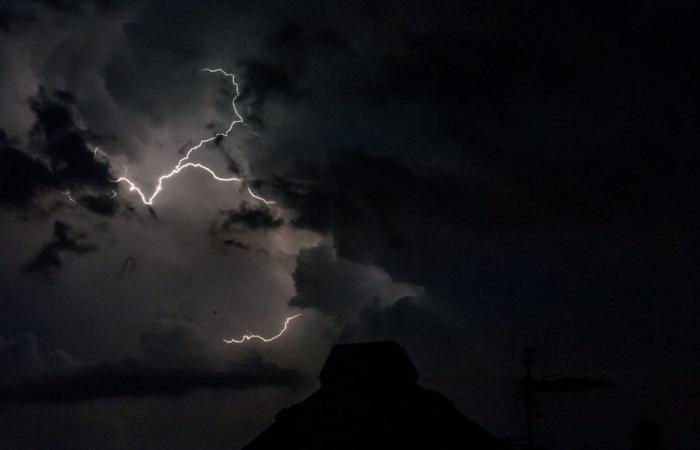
[[468, 179]]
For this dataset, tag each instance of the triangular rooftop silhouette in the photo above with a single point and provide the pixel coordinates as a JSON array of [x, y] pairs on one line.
[[369, 399]]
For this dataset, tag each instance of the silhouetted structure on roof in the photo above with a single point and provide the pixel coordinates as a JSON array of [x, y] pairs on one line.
[[369, 399]]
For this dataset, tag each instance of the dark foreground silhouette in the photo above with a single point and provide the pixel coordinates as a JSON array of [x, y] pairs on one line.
[[647, 436], [369, 399]]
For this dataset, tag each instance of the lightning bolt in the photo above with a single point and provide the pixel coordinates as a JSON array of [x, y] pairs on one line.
[[257, 197], [185, 163], [248, 337]]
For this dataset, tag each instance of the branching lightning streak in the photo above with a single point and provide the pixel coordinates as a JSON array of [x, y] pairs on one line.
[[248, 337], [184, 162], [257, 197]]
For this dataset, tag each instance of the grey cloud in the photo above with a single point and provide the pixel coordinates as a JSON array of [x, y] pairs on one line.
[[231, 224], [175, 361], [247, 217], [65, 240], [299, 36], [419, 324], [57, 158], [266, 79], [238, 244], [131, 379], [338, 287], [175, 342], [56, 135], [21, 357], [22, 177], [15, 13], [307, 194]]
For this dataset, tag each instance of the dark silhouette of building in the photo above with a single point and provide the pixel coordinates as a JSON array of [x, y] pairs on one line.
[[369, 399], [647, 436]]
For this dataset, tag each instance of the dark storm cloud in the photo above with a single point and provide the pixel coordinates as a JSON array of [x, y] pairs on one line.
[[338, 287], [398, 321], [17, 16], [266, 79], [22, 357], [64, 6], [175, 342], [175, 360], [438, 216], [243, 219], [15, 13], [285, 54], [232, 165], [58, 157], [248, 217], [21, 176], [236, 243], [411, 322], [102, 205], [379, 202], [65, 240], [566, 384], [540, 135], [131, 379], [307, 194], [321, 284], [56, 135], [295, 36], [512, 53], [278, 72], [533, 169]]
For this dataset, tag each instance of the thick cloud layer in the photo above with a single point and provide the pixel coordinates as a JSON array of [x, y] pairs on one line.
[[57, 156], [64, 240], [174, 361], [341, 288]]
